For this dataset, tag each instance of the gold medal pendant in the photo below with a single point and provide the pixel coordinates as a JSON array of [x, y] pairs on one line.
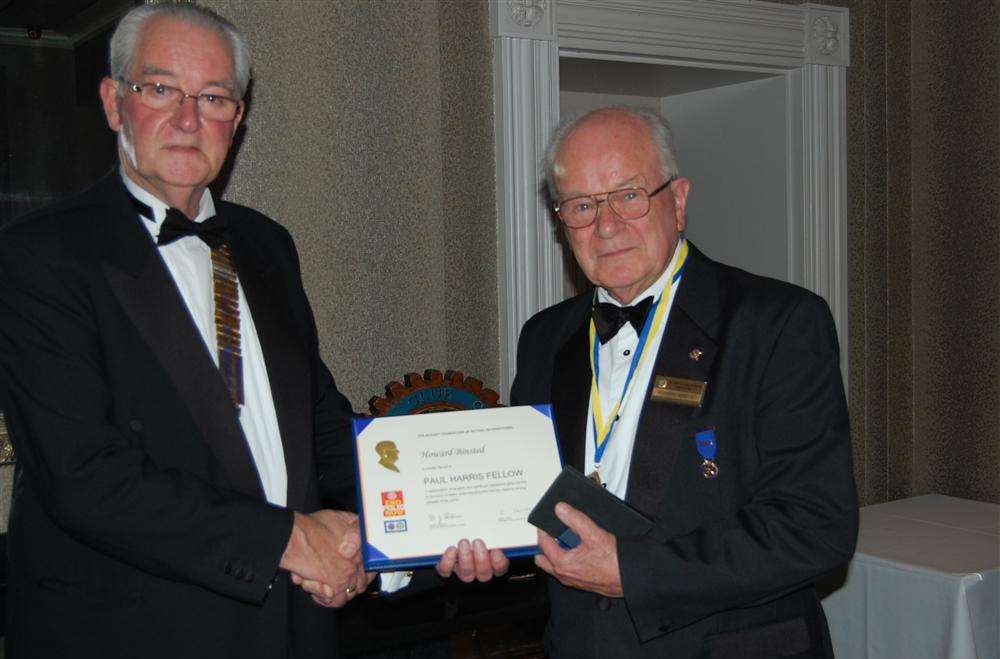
[[709, 469], [596, 477]]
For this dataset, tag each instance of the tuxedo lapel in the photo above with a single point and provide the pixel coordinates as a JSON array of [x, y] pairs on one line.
[[688, 351], [287, 365], [144, 288], [571, 396]]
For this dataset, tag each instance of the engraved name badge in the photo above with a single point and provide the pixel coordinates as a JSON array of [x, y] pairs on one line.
[[678, 391]]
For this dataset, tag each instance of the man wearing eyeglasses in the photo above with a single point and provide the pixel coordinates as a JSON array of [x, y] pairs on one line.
[[707, 398], [175, 428]]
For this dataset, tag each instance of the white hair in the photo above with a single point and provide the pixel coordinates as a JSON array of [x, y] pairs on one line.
[[660, 134], [126, 37]]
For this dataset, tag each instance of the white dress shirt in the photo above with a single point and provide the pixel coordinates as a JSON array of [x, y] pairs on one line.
[[615, 357], [189, 261]]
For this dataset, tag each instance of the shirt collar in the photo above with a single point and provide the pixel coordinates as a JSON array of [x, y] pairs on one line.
[[655, 290], [206, 207]]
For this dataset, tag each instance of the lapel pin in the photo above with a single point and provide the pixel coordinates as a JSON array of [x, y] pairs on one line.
[[695, 354]]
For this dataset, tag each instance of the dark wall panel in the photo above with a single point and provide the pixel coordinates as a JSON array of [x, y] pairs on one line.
[[924, 238]]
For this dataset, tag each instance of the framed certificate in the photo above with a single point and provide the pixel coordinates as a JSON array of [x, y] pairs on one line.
[[426, 481]]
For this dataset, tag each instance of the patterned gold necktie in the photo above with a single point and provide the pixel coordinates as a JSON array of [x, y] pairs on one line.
[[226, 292], [227, 321]]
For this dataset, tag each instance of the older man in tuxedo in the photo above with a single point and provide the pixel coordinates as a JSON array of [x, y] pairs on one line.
[[176, 429], [708, 398]]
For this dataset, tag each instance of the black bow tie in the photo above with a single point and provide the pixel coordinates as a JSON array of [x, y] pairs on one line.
[[608, 318], [176, 226]]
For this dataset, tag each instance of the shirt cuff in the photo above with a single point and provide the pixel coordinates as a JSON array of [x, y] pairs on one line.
[[390, 582]]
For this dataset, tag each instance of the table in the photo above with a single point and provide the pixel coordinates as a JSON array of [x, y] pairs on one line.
[[924, 582]]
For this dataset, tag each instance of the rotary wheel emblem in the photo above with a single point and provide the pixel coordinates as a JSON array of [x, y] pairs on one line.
[[433, 392]]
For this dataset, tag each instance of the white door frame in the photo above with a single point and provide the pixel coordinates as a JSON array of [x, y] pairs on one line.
[[808, 44]]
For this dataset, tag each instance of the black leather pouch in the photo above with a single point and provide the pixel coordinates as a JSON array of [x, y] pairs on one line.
[[608, 511]]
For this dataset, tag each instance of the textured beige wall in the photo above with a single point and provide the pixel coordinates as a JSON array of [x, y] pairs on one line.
[[369, 136], [924, 271]]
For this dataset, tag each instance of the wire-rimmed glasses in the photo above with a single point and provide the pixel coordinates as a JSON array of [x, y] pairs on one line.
[[157, 96], [627, 203]]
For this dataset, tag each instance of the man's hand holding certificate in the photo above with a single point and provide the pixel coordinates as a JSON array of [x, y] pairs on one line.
[[425, 481]]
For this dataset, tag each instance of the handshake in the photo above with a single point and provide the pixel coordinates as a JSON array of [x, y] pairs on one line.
[[323, 556]]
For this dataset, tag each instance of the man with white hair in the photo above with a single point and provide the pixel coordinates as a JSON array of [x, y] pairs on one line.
[[175, 427], [708, 398]]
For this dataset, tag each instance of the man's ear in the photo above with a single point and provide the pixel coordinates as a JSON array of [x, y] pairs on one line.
[[680, 189], [239, 115], [111, 103]]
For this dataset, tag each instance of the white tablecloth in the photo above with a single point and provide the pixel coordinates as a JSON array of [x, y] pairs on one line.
[[924, 583]]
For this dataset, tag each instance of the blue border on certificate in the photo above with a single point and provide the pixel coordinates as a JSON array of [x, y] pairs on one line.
[[377, 561], [546, 409], [374, 559], [358, 425]]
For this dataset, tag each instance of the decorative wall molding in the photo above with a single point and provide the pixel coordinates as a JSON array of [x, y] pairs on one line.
[[824, 35], [808, 44], [526, 108], [824, 190], [525, 19], [828, 38], [689, 30], [526, 13], [758, 34]]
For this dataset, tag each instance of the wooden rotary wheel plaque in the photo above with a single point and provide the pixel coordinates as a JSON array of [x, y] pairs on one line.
[[433, 392]]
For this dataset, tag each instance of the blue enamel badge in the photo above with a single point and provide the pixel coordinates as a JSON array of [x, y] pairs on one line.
[[705, 441]]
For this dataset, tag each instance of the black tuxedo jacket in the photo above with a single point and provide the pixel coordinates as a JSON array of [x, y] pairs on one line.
[[139, 526], [727, 570]]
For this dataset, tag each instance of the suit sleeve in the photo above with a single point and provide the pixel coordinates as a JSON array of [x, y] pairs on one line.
[[90, 475], [521, 387], [334, 442], [537, 345], [800, 519]]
